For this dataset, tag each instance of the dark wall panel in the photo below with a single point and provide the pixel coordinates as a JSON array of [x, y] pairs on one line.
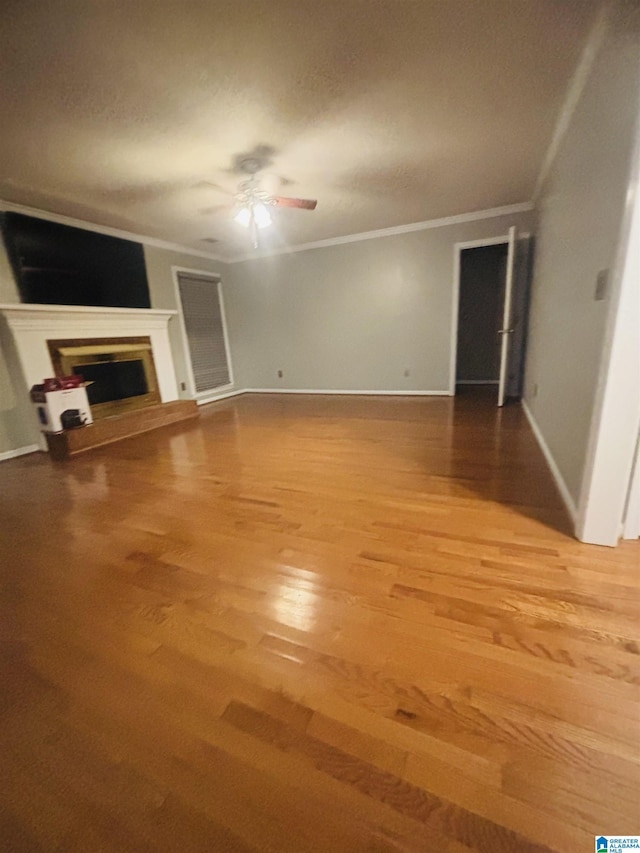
[[60, 265]]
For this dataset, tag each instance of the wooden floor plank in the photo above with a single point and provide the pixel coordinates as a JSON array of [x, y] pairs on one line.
[[313, 623]]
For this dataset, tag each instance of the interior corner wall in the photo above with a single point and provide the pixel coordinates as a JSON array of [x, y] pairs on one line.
[[579, 218], [356, 316]]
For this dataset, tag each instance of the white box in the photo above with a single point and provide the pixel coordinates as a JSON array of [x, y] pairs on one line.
[[50, 406]]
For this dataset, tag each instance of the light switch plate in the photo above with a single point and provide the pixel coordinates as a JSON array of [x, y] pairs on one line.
[[602, 286]]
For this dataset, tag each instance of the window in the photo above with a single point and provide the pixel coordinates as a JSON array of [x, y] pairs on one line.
[[205, 330]]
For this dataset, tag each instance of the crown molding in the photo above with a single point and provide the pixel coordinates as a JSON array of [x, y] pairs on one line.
[[60, 219], [573, 93], [490, 213]]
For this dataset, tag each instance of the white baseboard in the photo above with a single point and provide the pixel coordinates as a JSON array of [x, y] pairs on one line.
[[345, 392], [213, 398], [551, 462], [19, 451], [477, 382]]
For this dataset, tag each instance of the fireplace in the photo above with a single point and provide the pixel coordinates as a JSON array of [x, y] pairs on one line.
[[34, 327], [121, 371]]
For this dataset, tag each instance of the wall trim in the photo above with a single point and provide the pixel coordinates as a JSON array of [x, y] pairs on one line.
[[19, 451], [320, 392], [490, 213], [631, 526], [397, 393], [214, 398], [565, 494], [50, 216], [477, 382]]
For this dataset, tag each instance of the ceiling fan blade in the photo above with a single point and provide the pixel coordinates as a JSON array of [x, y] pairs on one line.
[[303, 203]]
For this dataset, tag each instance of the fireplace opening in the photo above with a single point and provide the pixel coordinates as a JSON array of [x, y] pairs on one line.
[[121, 371], [113, 380]]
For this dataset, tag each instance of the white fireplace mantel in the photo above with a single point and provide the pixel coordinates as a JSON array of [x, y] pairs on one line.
[[49, 318], [33, 325]]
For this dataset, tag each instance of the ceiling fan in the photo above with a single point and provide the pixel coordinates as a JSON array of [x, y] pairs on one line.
[[253, 204]]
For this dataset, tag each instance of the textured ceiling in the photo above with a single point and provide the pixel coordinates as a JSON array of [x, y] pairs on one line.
[[129, 113]]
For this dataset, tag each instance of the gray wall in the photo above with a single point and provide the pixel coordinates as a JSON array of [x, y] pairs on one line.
[[355, 316], [580, 213], [482, 283], [349, 317]]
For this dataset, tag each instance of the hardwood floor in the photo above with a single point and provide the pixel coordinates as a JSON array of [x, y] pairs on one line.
[[313, 624]]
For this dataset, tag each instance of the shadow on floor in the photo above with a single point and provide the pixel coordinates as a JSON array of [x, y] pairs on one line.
[[494, 454]]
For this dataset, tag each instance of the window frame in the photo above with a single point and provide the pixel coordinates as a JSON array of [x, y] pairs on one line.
[[214, 279]]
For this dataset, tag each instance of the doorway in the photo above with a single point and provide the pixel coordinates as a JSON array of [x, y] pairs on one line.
[[480, 310], [489, 317]]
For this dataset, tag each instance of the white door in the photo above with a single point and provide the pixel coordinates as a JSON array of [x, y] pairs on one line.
[[506, 331]]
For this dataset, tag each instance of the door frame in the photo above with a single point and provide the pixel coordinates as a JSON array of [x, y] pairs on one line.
[[458, 248], [631, 529]]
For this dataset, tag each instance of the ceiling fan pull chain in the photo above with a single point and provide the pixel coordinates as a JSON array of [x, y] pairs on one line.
[[254, 229]]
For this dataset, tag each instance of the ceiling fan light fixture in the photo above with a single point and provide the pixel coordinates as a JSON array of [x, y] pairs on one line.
[[243, 217], [255, 212], [261, 215]]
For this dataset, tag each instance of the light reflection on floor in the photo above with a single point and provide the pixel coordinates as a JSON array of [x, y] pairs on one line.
[[295, 604]]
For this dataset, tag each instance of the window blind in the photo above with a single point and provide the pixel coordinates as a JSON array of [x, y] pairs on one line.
[[204, 324]]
